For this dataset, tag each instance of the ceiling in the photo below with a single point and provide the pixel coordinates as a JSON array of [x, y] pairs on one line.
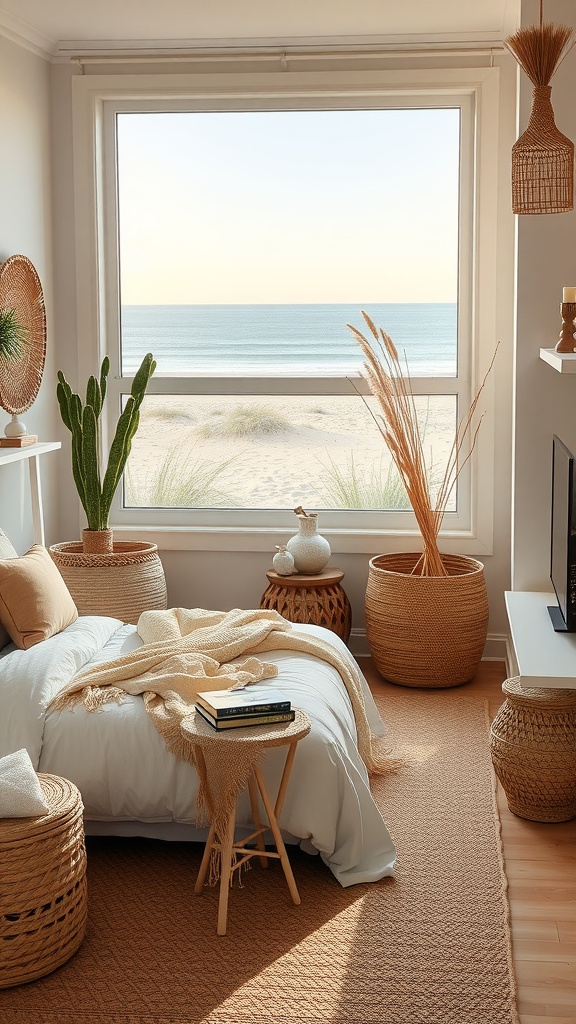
[[57, 27]]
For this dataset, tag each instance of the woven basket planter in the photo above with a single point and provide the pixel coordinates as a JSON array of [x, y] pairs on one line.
[[43, 893], [426, 631], [122, 584], [533, 748]]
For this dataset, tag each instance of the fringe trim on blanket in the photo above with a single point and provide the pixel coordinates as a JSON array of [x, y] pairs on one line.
[[92, 697]]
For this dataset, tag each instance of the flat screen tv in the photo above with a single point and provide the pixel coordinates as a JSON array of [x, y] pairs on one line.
[[563, 538]]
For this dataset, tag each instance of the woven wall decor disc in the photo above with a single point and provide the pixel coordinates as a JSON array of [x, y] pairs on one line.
[[20, 290]]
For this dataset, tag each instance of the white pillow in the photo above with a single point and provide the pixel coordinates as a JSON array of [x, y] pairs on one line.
[[21, 794]]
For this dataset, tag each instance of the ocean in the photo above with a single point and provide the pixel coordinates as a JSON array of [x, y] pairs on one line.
[[297, 339]]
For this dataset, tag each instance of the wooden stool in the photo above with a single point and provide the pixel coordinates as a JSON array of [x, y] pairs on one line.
[[320, 599], [43, 893], [235, 743]]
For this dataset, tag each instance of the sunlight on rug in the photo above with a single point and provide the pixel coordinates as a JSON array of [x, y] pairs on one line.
[[431, 946]]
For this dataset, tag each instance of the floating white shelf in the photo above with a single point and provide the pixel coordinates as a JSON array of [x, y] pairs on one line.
[[33, 453], [564, 362], [545, 659]]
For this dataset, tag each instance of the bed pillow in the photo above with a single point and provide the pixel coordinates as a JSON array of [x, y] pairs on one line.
[[35, 603], [6, 551]]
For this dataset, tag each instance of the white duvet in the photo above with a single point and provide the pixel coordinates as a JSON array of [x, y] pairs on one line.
[[130, 784]]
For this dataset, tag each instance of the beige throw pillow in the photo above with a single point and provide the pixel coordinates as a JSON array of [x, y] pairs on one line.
[[35, 603], [7, 550]]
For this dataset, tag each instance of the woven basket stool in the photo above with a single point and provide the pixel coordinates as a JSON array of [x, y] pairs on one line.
[[319, 599], [43, 894], [533, 747]]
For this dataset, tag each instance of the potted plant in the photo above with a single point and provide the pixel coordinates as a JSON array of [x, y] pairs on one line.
[[426, 612], [105, 577]]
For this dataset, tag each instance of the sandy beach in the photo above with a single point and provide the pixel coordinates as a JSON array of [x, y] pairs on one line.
[[268, 452]]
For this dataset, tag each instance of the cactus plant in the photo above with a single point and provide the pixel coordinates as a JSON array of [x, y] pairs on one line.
[[82, 420]]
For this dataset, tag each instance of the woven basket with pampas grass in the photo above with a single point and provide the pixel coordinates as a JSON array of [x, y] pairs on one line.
[[426, 613]]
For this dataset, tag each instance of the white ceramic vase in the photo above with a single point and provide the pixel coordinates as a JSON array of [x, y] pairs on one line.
[[310, 551], [283, 562]]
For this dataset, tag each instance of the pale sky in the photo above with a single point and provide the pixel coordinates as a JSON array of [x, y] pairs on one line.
[[289, 207]]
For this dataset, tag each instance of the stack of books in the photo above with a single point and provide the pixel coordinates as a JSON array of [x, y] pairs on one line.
[[235, 709]]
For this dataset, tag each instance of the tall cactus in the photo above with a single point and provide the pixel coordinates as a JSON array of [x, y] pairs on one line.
[[83, 423]]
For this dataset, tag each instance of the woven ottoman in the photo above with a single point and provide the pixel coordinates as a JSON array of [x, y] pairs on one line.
[[43, 893], [533, 748]]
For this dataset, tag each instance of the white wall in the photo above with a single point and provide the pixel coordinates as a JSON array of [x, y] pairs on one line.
[[25, 228], [545, 400]]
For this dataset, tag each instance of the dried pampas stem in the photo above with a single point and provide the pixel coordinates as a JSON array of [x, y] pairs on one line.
[[398, 424]]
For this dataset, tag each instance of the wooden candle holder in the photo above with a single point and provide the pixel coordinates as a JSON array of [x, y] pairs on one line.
[[567, 342]]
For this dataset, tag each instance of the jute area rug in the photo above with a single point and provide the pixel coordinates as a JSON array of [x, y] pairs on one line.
[[430, 946]]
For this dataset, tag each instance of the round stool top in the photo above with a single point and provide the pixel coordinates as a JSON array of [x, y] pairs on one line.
[[540, 695], [326, 578], [199, 731]]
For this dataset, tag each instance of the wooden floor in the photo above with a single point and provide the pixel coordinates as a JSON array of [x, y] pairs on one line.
[[540, 862]]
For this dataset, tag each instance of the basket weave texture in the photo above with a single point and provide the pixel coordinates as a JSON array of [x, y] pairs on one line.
[[43, 892], [542, 162], [122, 584], [20, 290], [426, 631], [533, 748]]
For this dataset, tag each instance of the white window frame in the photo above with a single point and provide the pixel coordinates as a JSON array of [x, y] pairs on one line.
[[97, 99]]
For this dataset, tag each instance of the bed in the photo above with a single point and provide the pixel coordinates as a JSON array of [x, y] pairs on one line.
[[132, 786]]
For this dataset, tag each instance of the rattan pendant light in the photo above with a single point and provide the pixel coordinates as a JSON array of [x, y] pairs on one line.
[[542, 158]]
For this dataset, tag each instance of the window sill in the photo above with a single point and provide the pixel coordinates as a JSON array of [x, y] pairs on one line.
[[256, 539]]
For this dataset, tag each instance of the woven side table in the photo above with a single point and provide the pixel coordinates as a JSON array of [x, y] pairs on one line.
[[533, 747], [233, 757], [43, 895], [320, 599]]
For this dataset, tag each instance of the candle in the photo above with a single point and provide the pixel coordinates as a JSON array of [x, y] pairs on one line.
[[569, 295]]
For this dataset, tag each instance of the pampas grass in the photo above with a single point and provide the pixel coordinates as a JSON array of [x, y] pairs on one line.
[[398, 424], [540, 49]]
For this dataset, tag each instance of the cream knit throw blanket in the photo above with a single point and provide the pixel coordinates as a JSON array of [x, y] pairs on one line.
[[188, 650]]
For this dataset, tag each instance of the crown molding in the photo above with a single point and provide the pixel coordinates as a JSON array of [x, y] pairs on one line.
[[23, 35]]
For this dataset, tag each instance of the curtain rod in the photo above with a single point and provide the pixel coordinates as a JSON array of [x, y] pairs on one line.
[[285, 55]]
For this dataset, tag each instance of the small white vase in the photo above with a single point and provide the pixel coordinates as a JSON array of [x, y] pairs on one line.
[[311, 551], [283, 562]]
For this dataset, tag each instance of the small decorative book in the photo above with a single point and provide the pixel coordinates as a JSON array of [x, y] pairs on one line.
[[18, 442], [254, 700], [245, 721]]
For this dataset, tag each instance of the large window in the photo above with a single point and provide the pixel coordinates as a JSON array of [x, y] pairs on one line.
[[240, 236]]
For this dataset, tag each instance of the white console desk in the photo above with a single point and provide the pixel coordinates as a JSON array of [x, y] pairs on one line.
[[544, 658], [32, 454]]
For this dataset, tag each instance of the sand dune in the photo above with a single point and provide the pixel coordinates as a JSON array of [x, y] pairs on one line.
[[292, 449]]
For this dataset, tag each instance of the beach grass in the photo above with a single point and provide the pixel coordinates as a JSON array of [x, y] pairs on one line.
[[354, 488], [254, 420], [180, 480]]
